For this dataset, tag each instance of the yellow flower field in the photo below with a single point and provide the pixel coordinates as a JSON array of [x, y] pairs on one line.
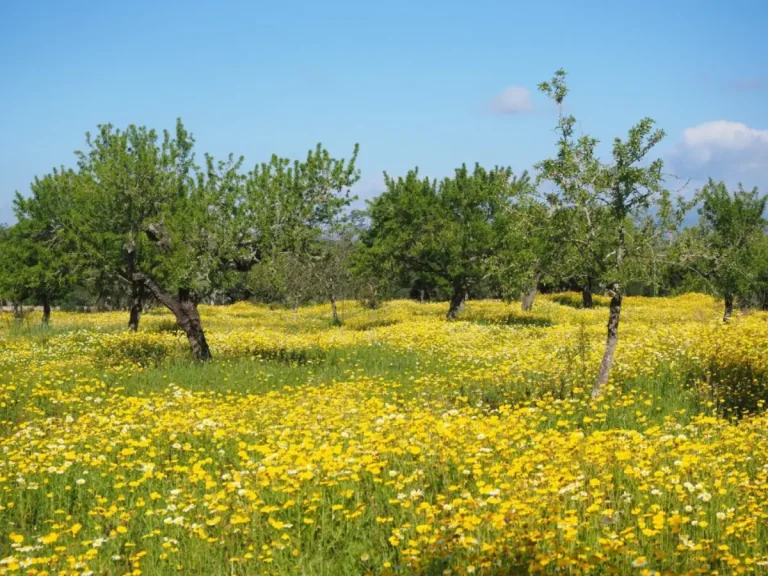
[[397, 444]]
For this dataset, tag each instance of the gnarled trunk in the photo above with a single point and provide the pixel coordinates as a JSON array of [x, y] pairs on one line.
[[611, 342], [46, 310], [184, 308], [457, 302], [528, 297], [586, 295], [188, 319], [728, 307], [137, 304]]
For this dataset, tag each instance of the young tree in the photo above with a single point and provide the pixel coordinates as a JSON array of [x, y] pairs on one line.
[[729, 236], [625, 187], [440, 230], [293, 279], [331, 266]]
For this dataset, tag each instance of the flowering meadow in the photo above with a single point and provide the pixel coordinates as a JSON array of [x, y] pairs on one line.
[[398, 443]]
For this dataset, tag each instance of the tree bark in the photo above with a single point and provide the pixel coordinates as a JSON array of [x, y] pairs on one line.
[[611, 342], [188, 319], [18, 312], [421, 295], [335, 312], [137, 304], [586, 295], [728, 307], [46, 310], [528, 297], [184, 308], [457, 302]]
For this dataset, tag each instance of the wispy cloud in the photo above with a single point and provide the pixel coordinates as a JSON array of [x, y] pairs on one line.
[[754, 83], [513, 100], [724, 150]]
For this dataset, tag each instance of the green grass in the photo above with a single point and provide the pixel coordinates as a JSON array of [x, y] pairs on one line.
[[258, 375]]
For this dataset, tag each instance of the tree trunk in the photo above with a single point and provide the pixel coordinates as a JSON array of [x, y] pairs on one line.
[[421, 295], [373, 299], [137, 305], [184, 308], [335, 312], [46, 310], [528, 297], [457, 302], [586, 295], [610, 344], [18, 312], [188, 319], [728, 307]]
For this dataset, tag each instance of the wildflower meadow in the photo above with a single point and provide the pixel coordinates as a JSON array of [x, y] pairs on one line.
[[397, 443]]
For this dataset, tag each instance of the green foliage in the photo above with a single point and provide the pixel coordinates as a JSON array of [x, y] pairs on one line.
[[531, 245], [145, 207], [132, 181], [36, 254], [598, 202], [138, 218], [441, 234], [728, 247]]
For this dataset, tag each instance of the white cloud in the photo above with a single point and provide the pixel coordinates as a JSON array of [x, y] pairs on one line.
[[724, 150], [513, 100]]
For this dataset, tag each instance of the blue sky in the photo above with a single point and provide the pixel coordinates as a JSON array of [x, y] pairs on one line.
[[421, 83]]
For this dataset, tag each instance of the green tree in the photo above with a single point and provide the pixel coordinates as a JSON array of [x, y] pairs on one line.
[[129, 179], [440, 231], [728, 241], [758, 296], [531, 244], [583, 219], [374, 268], [36, 256], [331, 266], [625, 187], [294, 280], [13, 285]]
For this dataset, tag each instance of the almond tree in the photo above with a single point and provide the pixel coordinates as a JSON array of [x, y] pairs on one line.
[[728, 241], [531, 245], [36, 258], [604, 199], [444, 232]]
